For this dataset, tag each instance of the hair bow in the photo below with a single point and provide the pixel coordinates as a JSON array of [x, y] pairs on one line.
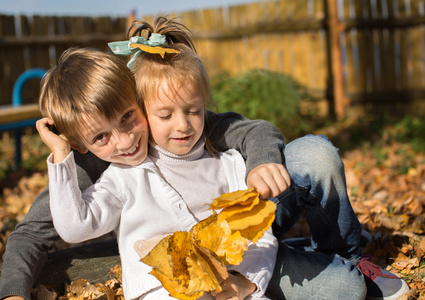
[[137, 44]]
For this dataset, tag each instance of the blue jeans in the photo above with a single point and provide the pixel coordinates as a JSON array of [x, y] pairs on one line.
[[318, 188]]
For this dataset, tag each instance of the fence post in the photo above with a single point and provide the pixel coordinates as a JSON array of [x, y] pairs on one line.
[[130, 19], [334, 30]]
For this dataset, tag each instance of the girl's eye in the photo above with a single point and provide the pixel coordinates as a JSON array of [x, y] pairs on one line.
[[194, 112], [165, 117]]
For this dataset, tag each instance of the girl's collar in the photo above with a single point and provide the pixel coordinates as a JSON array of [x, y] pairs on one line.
[[162, 154]]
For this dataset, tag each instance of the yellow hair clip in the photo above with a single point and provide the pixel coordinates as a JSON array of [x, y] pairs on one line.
[[137, 44], [154, 50]]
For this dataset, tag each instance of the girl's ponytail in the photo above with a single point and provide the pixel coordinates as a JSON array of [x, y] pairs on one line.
[[174, 32]]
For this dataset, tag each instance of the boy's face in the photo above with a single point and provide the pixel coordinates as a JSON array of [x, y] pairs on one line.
[[123, 139], [176, 120]]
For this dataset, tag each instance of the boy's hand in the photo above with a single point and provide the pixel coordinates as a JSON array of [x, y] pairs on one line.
[[269, 180], [59, 145], [236, 287], [14, 298]]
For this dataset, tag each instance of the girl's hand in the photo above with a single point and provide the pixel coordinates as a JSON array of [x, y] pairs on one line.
[[236, 287], [58, 144], [269, 179]]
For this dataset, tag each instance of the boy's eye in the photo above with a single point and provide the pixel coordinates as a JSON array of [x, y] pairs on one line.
[[127, 115], [99, 138]]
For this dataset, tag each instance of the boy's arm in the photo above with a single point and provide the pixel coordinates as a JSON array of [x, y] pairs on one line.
[[28, 246], [77, 215], [261, 145], [258, 141]]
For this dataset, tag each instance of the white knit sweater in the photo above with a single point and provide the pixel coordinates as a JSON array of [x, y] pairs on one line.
[[138, 202]]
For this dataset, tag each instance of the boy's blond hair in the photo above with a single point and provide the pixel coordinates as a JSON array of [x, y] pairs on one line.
[[85, 82], [176, 70]]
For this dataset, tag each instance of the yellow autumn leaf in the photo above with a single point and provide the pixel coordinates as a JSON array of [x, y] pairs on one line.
[[105, 290], [255, 232], [229, 211], [241, 197], [245, 212], [233, 248], [253, 217], [209, 224], [175, 287], [168, 260], [185, 269], [202, 272], [154, 50], [217, 266], [159, 259], [179, 248], [229, 246]]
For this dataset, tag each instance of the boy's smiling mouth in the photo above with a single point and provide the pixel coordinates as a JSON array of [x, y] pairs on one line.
[[132, 151]]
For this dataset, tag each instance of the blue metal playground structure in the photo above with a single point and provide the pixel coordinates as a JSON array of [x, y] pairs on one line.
[[17, 126]]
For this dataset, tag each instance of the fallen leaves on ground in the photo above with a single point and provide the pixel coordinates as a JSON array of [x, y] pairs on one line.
[[386, 185], [387, 192], [82, 290], [16, 202]]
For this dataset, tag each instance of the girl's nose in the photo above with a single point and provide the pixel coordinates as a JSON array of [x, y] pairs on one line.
[[183, 122]]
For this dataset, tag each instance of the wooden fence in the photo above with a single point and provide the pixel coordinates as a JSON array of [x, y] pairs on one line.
[[38, 41], [351, 52]]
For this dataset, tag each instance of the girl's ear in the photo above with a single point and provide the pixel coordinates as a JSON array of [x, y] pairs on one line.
[[80, 149]]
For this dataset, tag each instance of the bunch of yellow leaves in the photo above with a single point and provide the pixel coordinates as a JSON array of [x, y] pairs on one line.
[[246, 213], [188, 264]]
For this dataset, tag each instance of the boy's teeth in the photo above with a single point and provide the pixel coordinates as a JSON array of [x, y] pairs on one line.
[[132, 151]]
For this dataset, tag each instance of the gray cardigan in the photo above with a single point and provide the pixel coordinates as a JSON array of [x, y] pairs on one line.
[[27, 247]]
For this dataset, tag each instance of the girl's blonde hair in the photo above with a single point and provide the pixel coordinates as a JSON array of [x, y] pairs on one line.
[[85, 82], [177, 70]]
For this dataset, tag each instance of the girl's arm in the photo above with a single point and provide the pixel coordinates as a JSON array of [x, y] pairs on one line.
[[236, 286]]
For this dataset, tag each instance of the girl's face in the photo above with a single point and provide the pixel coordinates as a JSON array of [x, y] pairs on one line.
[[176, 120], [123, 139]]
